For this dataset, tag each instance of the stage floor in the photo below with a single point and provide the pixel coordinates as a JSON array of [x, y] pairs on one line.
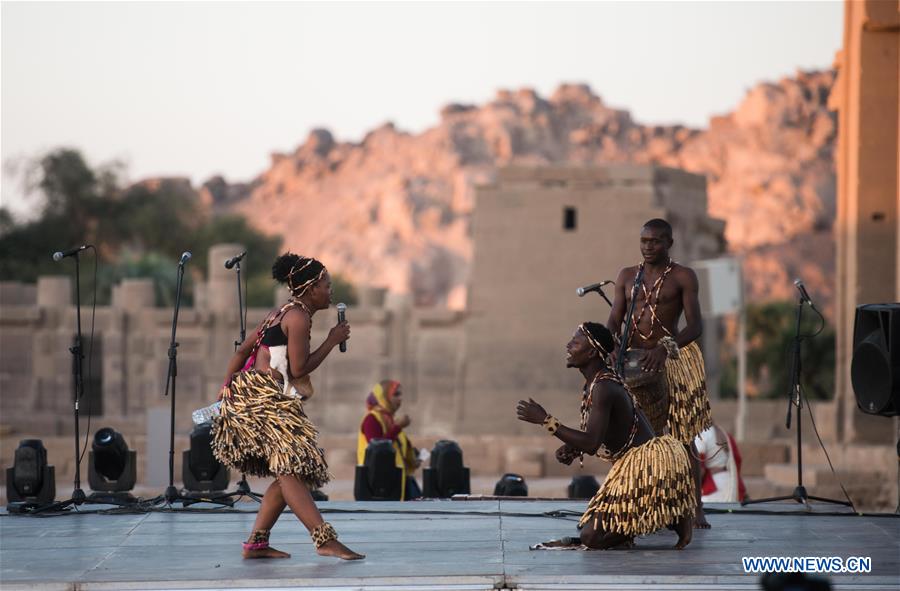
[[426, 545]]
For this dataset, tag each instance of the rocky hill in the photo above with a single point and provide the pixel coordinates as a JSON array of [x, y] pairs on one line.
[[393, 209]]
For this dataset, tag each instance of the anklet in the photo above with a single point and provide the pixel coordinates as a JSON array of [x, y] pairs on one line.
[[323, 534], [259, 540]]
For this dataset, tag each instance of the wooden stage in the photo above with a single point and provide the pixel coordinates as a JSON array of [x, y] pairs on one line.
[[428, 545]]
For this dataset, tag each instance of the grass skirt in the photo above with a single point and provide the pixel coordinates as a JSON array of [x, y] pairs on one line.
[[653, 399], [262, 432], [648, 488], [689, 413]]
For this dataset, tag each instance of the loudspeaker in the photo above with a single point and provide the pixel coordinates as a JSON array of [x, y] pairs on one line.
[[511, 485], [875, 368], [30, 480], [112, 467], [447, 475], [378, 479], [583, 486], [201, 472]]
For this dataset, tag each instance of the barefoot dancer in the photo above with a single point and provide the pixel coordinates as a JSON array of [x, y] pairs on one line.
[[649, 486], [677, 402], [262, 429]]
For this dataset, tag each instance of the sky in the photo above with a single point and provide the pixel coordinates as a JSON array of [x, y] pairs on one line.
[[204, 88]]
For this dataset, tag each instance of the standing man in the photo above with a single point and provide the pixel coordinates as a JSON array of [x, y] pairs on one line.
[[677, 401]]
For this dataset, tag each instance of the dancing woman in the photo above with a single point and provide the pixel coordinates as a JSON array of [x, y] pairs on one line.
[[262, 429]]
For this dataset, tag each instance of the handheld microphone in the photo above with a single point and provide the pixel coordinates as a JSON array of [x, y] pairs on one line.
[[234, 260], [185, 257], [58, 256], [804, 296], [342, 316], [589, 288]]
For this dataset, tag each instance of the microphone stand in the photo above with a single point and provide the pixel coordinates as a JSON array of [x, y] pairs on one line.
[[795, 397], [78, 497], [602, 294], [172, 494], [243, 488]]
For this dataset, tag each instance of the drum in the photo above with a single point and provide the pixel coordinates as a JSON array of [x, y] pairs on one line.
[[633, 375]]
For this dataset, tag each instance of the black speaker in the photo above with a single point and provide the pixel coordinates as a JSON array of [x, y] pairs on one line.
[[379, 478], [201, 472], [583, 486], [447, 475], [875, 368], [511, 485], [30, 480], [112, 467]]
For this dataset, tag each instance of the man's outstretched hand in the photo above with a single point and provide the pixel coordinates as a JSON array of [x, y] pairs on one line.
[[565, 454], [531, 412]]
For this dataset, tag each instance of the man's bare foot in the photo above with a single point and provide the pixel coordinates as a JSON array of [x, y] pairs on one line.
[[700, 521], [335, 548], [265, 553], [626, 545], [685, 532]]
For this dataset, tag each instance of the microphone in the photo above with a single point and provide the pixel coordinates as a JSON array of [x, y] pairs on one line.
[[185, 257], [58, 256], [589, 288], [234, 260], [804, 296], [342, 316]]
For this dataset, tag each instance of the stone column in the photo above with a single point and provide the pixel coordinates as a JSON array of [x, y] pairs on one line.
[[866, 96], [134, 295], [221, 282], [54, 292]]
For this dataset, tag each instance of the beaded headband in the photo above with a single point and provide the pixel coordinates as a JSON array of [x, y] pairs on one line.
[[593, 342], [299, 289]]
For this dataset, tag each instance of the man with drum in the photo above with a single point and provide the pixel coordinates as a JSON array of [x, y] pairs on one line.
[[664, 366]]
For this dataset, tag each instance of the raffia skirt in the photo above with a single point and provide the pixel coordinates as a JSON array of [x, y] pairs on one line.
[[689, 412], [653, 398], [648, 488], [262, 432]]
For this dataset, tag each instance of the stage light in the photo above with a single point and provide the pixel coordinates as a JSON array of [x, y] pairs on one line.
[[511, 485], [378, 479], [583, 486], [30, 480], [201, 472], [446, 476], [112, 467]]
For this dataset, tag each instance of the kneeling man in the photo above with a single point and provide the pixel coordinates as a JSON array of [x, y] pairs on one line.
[[650, 485]]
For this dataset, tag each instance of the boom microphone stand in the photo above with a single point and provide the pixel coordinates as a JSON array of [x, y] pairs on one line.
[[78, 497], [243, 488], [795, 398], [172, 494]]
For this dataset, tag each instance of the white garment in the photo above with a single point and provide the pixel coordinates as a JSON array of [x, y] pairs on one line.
[[278, 360], [716, 457]]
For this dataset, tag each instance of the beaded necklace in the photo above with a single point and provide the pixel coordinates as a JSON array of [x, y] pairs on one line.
[[587, 398], [651, 303]]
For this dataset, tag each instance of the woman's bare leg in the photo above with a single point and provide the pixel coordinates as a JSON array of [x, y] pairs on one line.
[[269, 510], [297, 496]]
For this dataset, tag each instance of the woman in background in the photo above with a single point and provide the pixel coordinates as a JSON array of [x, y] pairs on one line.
[[382, 403]]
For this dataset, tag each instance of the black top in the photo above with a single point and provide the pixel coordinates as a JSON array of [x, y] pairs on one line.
[[274, 336]]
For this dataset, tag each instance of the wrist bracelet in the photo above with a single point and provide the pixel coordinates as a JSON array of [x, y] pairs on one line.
[[671, 347], [551, 424]]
